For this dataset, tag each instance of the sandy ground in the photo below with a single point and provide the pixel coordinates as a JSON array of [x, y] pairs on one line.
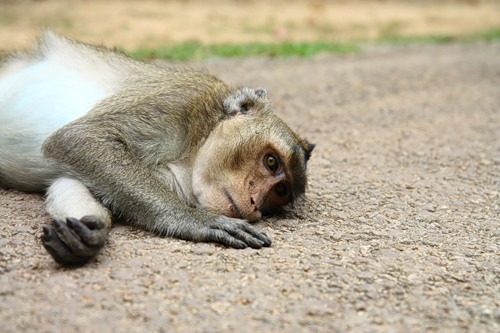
[[400, 231], [133, 24]]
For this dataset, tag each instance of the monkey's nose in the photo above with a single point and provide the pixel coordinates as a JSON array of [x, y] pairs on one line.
[[252, 203]]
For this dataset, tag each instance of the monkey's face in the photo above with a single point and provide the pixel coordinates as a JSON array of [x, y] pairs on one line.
[[250, 165]]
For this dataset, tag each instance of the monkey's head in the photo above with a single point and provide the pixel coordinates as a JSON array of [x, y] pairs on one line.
[[252, 163]]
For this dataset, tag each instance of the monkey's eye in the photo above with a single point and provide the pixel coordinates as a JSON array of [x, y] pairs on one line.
[[272, 163], [281, 189]]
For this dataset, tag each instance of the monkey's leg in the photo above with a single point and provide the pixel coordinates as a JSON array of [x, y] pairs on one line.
[[80, 223]]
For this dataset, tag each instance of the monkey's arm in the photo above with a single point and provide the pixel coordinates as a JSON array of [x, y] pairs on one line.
[[102, 159]]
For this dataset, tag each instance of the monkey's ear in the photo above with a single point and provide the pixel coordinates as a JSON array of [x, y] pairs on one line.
[[261, 92], [308, 148], [246, 101]]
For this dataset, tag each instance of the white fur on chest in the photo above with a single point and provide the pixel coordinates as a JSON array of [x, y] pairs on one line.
[[179, 175], [45, 96], [39, 94]]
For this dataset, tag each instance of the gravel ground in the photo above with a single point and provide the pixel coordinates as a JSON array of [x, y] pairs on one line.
[[399, 232]]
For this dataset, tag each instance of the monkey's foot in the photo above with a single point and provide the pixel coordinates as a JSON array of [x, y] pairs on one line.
[[76, 241], [236, 233]]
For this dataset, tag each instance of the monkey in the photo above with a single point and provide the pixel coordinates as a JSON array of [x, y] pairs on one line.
[[172, 150]]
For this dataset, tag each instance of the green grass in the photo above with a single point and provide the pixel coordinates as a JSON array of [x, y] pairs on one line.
[[197, 50], [403, 40], [488, 35]]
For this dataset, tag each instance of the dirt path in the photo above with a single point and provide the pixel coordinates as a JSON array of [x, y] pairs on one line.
[[400, 231], [133, 24]]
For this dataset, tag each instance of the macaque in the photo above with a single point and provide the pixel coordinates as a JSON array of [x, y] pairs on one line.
[[175, 151]]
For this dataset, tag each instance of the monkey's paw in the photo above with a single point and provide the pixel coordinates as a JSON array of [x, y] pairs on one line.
[[76, 241], [236, 233]]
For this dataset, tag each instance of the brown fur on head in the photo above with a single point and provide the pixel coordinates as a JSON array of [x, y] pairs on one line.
[[252, 162]]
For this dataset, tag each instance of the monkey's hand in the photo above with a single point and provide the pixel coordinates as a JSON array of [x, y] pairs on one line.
[[231, 232], [76, 241]]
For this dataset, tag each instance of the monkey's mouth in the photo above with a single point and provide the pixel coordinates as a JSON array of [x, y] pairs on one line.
[[233, 207]]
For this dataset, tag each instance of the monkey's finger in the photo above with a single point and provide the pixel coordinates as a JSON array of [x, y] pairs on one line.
[[250, 240], [87, 236], [57, 249], [92, 222], [266, 241], [223, 237], [71, 239]]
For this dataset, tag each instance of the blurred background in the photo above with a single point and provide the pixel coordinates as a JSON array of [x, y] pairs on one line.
[[134, 25]]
